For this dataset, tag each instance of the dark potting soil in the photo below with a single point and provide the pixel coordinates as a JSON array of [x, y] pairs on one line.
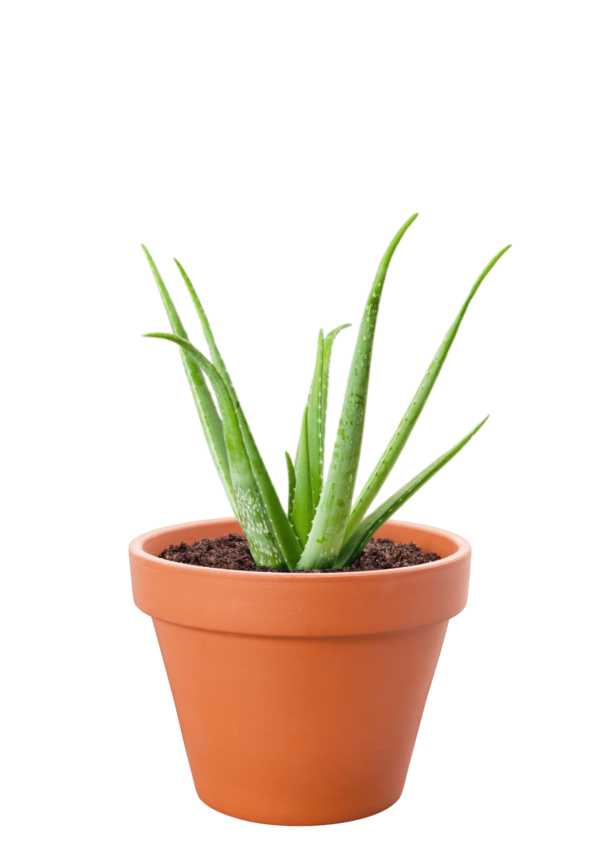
[[232, 552]]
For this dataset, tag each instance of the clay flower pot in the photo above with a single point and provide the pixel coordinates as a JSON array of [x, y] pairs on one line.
[[299, 696]]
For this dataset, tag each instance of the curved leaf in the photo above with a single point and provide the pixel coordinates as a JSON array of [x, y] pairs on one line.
[[361, 536], [404, 430], [251, 490]]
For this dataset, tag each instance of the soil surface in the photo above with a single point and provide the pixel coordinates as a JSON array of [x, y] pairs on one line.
[[232, 552]]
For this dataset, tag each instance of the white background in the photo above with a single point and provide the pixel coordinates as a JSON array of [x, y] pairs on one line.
[[275, 148]]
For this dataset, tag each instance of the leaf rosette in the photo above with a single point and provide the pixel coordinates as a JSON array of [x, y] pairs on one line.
[[324, 527]]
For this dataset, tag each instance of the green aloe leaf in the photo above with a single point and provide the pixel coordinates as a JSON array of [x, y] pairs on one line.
[[209, 416], [286, 535], [363, 533], [291, 483], [317, 411], [314, 431], [329, 526], [216, 357], [251, 509], [302, 508], [252, 488], [327, 348], [284, 529], [311, 444], [404, 430]]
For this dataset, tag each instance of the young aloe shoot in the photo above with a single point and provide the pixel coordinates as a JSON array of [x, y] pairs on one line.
[[322, 528]]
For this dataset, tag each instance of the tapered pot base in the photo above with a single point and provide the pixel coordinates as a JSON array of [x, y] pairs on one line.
[[356, 816], [299, 731]]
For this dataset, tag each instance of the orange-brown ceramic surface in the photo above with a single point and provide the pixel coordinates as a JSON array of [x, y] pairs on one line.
[[300, 696]]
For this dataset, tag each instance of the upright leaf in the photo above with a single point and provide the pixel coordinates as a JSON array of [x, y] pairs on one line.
[[311, 444], [314, 431], [400, 437], [305, 467], [327, 347], [291, 483], [363, 533], [328, 529], [209, 417], [302, 508]]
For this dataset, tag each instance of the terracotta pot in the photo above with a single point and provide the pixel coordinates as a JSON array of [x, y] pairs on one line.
[[299, 696]]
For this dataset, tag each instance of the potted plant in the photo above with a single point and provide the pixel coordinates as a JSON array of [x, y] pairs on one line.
[[300, 686]]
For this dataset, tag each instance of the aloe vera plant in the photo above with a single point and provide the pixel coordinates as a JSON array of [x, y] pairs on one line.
[[322, 528]]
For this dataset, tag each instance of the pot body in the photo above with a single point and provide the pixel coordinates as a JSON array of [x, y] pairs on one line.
[[299, 696]]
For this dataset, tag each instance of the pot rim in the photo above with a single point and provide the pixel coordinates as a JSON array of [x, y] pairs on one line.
[[138, 548], [291, 604]]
